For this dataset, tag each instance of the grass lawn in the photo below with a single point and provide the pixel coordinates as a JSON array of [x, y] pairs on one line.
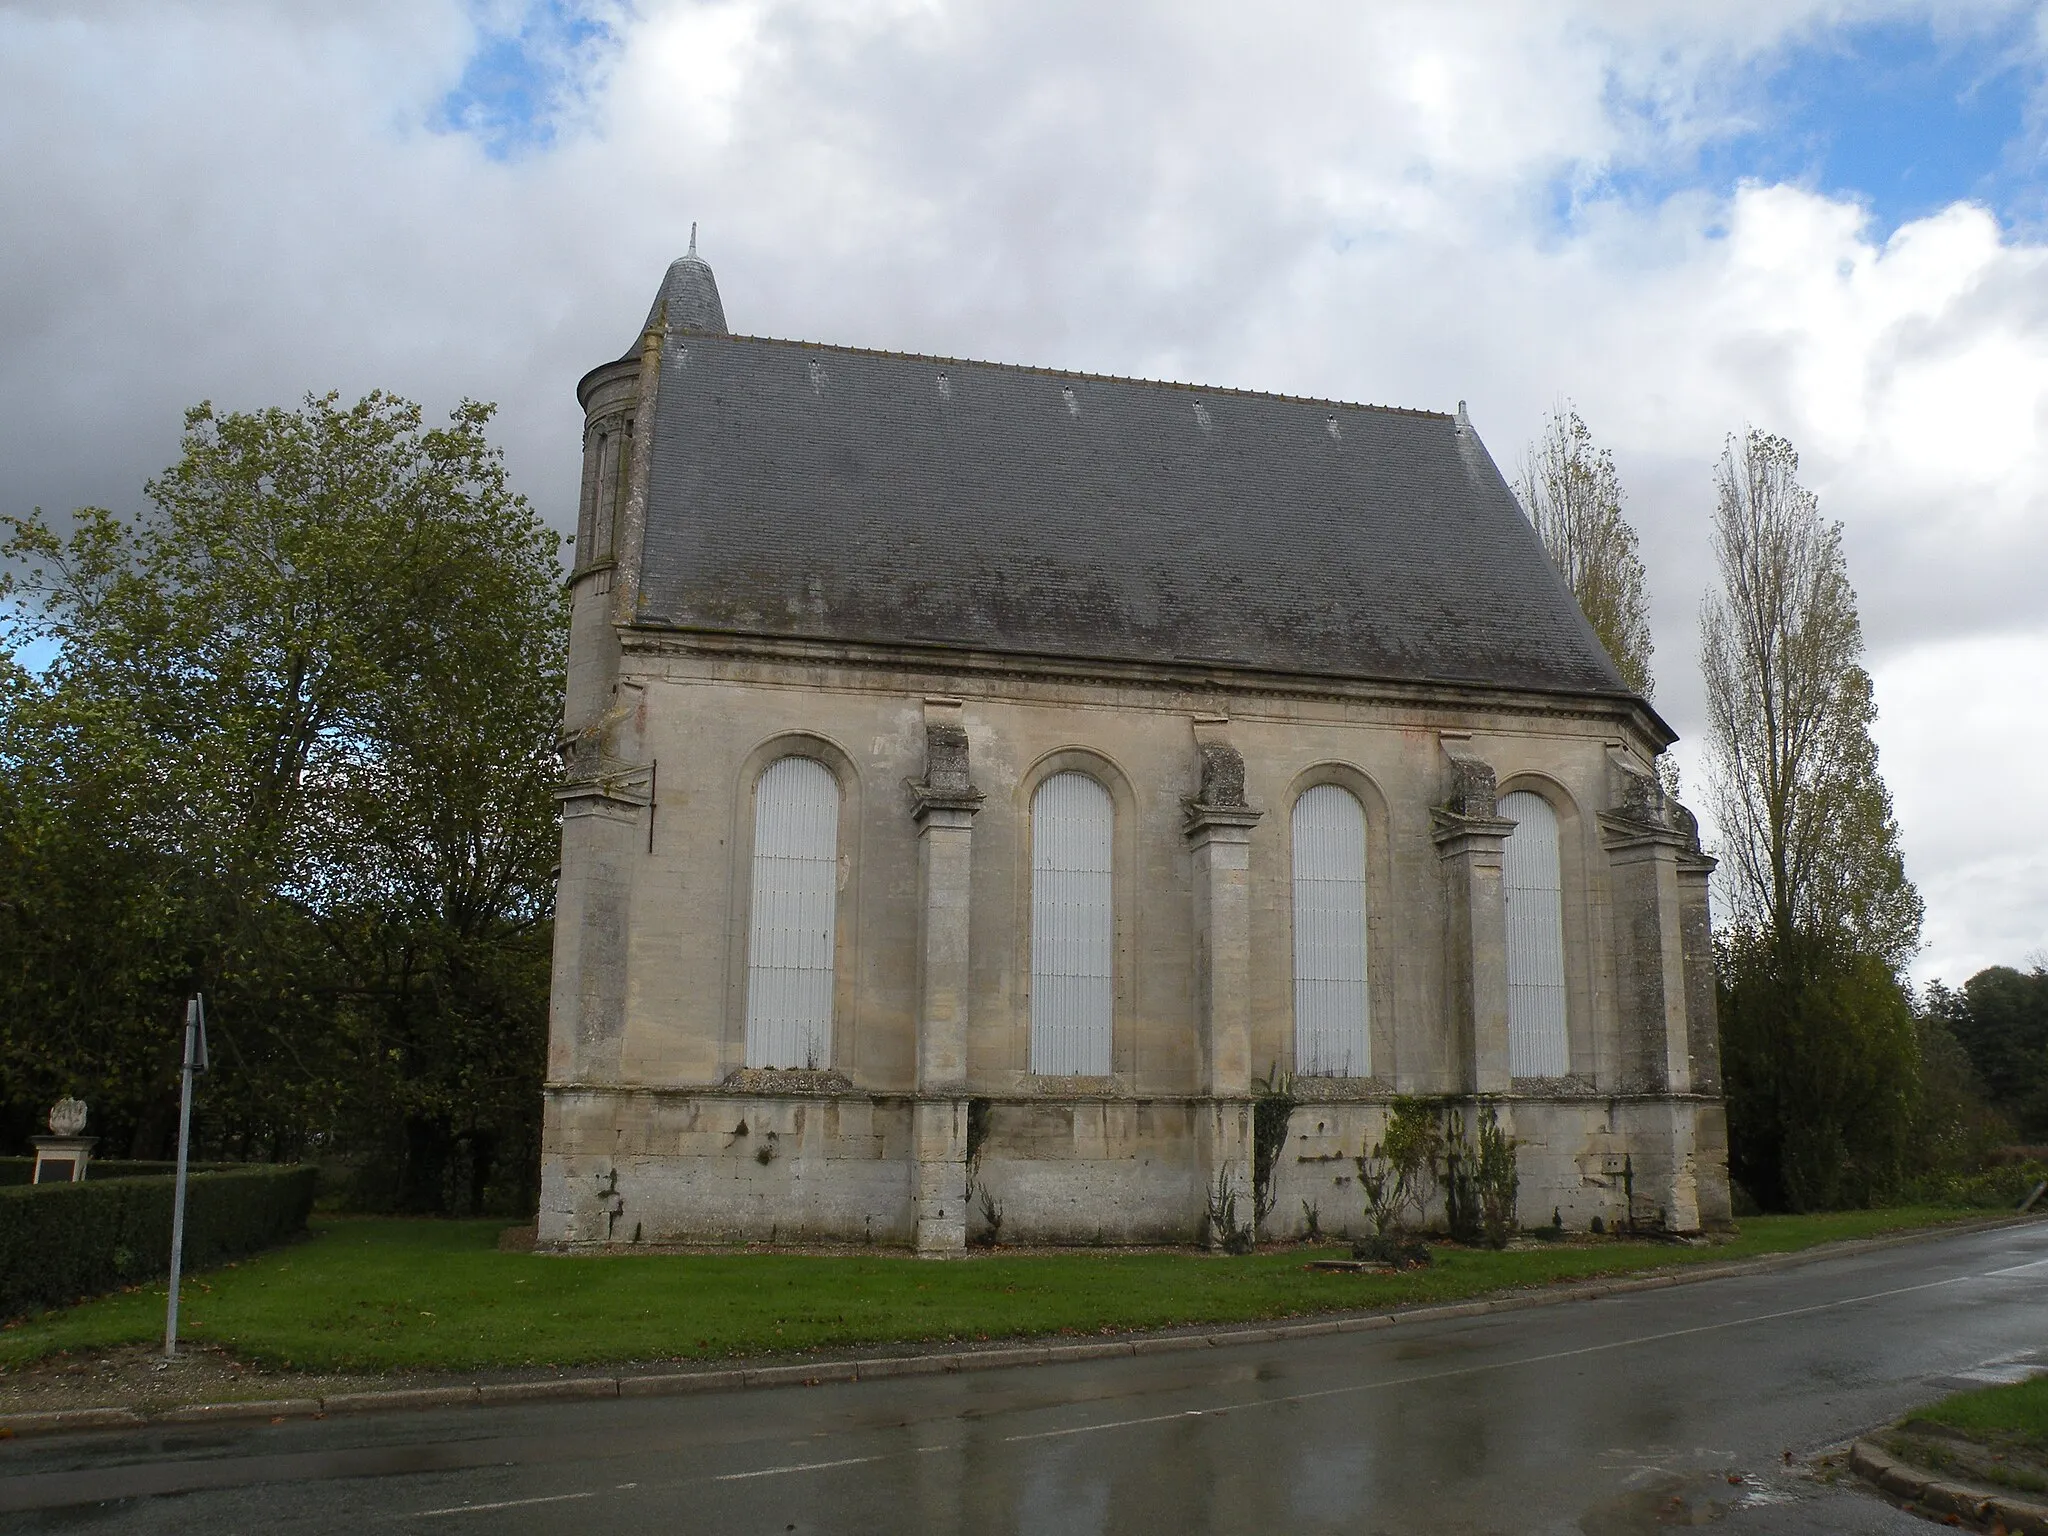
[[375, 1294], [2019, 1411], [1996, 1435]]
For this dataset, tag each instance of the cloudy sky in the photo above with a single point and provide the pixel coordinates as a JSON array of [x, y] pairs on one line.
[[1828, 219]]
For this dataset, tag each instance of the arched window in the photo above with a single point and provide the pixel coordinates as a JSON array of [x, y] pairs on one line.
[[1332, 1012], [1537, 1045], [1073, 927], [789, 941]]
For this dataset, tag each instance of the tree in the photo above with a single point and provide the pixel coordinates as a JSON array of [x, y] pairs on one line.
[[1572, 493], [1820, 1054], [2000, 1018], [1808, 838], [1820, 1065], [91, 930], [306, 702], [1959, 1125]]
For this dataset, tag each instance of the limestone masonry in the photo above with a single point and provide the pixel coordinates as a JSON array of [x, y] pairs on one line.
[[979, 777]]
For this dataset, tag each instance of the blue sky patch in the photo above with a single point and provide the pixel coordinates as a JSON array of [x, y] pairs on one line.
[[37, 655], [520, 78], [1894, 115]]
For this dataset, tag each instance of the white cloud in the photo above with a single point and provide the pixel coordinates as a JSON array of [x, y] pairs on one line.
[[242, 202], [1963, 754]]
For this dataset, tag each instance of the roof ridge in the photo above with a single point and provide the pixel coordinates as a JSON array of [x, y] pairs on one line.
[[1076, 373]]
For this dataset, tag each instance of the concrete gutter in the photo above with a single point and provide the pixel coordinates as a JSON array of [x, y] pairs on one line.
[[560, 1388], [1922, 1494]]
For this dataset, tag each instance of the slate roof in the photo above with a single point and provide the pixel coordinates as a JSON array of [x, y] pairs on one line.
[[832, 493]]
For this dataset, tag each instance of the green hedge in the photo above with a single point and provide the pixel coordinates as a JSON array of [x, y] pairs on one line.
[[62, 1242], [19, 1170], [1991, 1189]]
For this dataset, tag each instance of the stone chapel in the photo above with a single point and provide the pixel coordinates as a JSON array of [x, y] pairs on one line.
[[980, 777]]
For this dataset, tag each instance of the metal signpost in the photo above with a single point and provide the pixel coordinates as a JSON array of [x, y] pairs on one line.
[[195, 1061]]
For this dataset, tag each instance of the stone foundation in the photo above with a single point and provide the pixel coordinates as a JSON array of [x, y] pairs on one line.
[[674, 1166]]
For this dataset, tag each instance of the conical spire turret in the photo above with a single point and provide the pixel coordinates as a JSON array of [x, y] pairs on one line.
[[688, 300]]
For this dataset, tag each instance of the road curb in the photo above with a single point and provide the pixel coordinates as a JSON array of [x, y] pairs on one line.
[[59, 1420], [261, 1408], [945, 1362], [1926, 1495]]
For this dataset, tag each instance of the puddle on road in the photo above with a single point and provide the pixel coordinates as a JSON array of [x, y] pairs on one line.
[[1657, 1500]]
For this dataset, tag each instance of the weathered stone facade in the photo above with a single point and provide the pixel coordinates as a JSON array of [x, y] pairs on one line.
[[659, 1130]]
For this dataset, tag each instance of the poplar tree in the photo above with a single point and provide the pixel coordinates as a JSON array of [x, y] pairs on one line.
[[1809, 843], [1572, 492], [1820, 1056]]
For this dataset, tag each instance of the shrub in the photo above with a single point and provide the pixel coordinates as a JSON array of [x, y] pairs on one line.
[[1479, 1180], [19, 1170], [991, 1219], [1272, 1113], [1224, 1229], [1396, 1173], [1498, 1179], [2000, 1188], [1394, 1250], [61, 1242]]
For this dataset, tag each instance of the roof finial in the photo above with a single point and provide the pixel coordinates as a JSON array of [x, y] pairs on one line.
[[693, 237]]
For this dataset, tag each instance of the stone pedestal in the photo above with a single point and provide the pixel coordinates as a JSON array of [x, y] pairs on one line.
[[945, 803], [1664, 985], [1670, 1142], [605, 804], [939, 1144], [62, 1159], [1702, 1000], [1470, 835], [1703, 1032], [1219, 832], [1710, 1165], [1220, 842], [1649, 956]]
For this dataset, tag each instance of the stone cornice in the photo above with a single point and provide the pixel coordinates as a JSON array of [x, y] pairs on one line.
[[1205, 821], [606, 786], [1620, 833], [729, 1089], [1455, 833], [938, 666], [929, 805]]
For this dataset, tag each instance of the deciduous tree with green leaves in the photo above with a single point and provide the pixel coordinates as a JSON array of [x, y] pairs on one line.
[[307, 700], [2000, 1018]]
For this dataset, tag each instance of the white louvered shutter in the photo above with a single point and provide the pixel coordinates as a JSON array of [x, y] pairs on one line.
[[1073, 927], [1332, 1011], [1537, 1043], [789, 942]]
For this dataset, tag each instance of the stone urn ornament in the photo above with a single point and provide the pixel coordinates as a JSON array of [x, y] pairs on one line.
[[61, 1156], [67, 1117]]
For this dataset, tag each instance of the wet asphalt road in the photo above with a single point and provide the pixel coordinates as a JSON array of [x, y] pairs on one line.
[[1630, 1414]]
